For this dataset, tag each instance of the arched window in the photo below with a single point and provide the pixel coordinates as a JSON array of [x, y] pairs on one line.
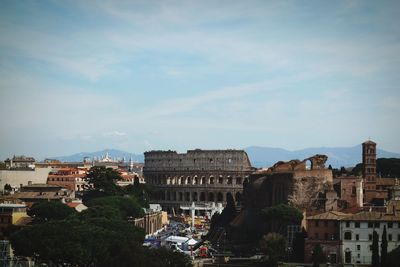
[[220, 197], [211, 196], [347, 235]]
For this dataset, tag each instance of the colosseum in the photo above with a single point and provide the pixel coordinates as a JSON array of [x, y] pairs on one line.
[[196, 176]]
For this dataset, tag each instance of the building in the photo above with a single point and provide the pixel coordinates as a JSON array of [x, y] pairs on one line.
[[350, 191], [295, 181], [152, 222], [356, 233], [69, 178], [198, 175], [323, 229], [12, 214], [33, 193], [20, 162]]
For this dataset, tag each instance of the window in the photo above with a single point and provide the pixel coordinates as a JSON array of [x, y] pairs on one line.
[[347, 224], [326, 223], [390, 225], [377, 224], [369, 237], [370, 225], [398, 237], [316, 223], [370, 247], [357, 224], [390, 237], [347, 235], [358, 247], [357, 237]]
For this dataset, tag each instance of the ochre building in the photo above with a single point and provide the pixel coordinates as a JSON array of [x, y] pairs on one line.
[[196, 176]]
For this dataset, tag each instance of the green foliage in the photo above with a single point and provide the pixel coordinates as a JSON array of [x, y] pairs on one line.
[[103, 183], [81, 243], [140, 191], [375, 249], [388, 167], [274, 247], [50, 210], [127, 206], [384, 245], [318, 255], [7, 187], [107, 212], [298, 246], [393, 257], [385, 167], [280, 216]]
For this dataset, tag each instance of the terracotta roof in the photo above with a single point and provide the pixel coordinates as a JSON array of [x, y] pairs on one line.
[[372, 216], [330, 215], [72, 204]]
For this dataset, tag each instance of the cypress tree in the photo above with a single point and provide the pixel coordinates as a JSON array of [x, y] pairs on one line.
[[375, 249], [384, 246]]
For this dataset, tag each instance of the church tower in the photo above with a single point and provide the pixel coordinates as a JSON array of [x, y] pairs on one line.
[[369, 164]]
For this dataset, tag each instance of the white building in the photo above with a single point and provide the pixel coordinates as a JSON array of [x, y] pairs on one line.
[[356, 234]]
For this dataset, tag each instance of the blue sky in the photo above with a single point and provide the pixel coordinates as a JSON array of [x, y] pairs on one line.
[[141, 75]]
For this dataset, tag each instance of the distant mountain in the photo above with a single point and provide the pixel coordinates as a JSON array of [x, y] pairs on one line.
[[113, 153], [337, 156]]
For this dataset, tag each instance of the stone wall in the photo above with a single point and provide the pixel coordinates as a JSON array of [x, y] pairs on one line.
[[17, 177], [198, 175]]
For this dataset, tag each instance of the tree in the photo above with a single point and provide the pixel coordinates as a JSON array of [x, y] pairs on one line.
[[280, 216], [136, 182], [50, 210], [384, 246], [274, 247], [229, 212], [102, 183], [305, 192], [318, 255], [7, 187], [393, 258], [127, 206], [375, 249], [81, 243], [298, 246]]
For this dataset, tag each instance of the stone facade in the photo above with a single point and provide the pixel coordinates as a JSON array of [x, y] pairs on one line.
[[277, 184], [198, 175]]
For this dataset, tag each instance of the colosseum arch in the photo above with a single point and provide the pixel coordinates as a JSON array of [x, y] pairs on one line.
[[195, 180], [211, 180], [194, 196], [180, 196], [238, 197], [211, 196], [203, 180], [187, 196], [202, 196], [220, 197]]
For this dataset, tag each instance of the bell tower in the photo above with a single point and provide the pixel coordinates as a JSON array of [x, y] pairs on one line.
[[369, 164]]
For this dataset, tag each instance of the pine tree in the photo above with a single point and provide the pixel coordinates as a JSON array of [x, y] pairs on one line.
[[384, 246], [375, 249]]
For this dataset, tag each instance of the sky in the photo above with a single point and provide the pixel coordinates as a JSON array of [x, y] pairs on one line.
[[143, 75]]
